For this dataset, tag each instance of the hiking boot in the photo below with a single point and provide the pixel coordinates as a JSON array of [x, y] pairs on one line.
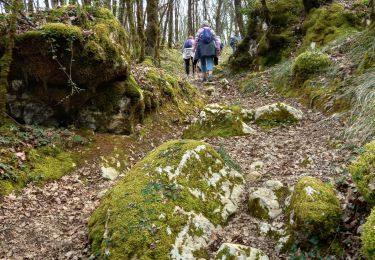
[[204, 79], [210, 78]]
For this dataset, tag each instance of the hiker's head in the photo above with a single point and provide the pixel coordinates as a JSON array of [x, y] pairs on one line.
[[205, 23]]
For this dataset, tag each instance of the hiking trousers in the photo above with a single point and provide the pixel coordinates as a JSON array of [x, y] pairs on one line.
[[187, 65], [207, 64]]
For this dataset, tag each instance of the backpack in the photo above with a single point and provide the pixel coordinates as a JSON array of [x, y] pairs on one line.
[[188, 44], [207, 36], [233, 41]]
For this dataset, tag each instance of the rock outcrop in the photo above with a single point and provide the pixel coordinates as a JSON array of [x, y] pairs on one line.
[[276, 114], [168, 205], [75, 70], [220, 120], [315, 210]]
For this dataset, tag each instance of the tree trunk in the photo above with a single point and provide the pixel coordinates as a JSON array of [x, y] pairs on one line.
[[114, 8], [30, 6], [140, 30], [152, 30], [372, 12], [133, 34], [190, 18], [176, 18], [165, 26], [121, 12], [6, 59], [170, 25], [239, 17], [205, 9], [219, 27]]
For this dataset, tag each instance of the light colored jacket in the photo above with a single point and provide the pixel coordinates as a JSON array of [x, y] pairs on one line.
[[188, 53]]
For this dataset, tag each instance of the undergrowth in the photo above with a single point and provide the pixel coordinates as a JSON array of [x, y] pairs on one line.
[[34, 154]]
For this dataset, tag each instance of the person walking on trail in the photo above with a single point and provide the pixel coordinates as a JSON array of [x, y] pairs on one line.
[[233, 41], [206, 47], [188, 55]]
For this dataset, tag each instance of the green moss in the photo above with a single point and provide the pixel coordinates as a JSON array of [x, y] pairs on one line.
[[328, 23], [363, 173], [142, 215], [62, 31], [368, 236], [214, 121], [133, 90], [315, 211], [49, 163], [275, 115], [308, 64]]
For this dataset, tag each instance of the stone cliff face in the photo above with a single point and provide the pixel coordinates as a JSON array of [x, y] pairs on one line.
[[75, 70]]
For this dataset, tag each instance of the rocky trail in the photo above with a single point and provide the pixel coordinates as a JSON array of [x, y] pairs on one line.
[[50, 222]]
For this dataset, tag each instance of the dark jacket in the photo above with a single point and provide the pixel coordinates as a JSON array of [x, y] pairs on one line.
[[205, 50]]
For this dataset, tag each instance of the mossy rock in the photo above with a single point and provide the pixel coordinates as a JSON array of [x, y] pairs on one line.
[[363, 173], [315, 211], [368, 236], [220, 120], [328, 23], [263, 204], [308, 64], [72, 66], [263, 47], [229, 251], [167, 206], [277, 114]]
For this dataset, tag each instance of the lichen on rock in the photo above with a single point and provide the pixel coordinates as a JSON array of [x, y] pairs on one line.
[[220, 120], [168, 205], [277, 114], [363, 172], [236, 251], [314, 210]]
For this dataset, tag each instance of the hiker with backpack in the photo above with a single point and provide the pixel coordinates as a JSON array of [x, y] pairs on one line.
[[188, 55], [233, 41], [206, 47]]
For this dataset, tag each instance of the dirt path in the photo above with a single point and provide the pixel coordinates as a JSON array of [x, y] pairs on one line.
[[50, 222], [310, 148]]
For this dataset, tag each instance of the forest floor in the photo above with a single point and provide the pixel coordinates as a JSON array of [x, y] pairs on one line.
[[50, 222]]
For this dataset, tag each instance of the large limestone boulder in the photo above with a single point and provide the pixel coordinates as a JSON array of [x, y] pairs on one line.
[[219, 120], [240, 252], [363, 173], [368, 236], [276, 114], [314, 210], [167, 206]]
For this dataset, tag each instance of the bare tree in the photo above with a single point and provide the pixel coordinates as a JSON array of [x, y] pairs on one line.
[[152, 29]]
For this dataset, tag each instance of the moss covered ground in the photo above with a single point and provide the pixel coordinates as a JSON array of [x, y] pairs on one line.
[[36, 154]]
